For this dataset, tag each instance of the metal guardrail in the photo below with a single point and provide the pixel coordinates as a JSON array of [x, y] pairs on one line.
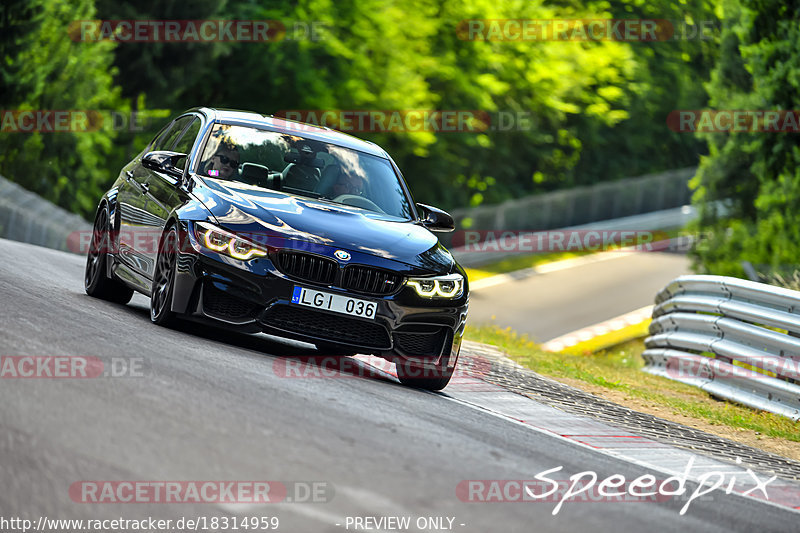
[[606, 200], [27, 217], [736, 339]]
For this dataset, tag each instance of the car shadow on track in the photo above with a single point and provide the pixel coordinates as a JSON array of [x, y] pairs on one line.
[[290, 359]]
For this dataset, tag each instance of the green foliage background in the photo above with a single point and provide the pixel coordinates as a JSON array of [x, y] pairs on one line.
[[748, 187], [598, 109], [43, 68]]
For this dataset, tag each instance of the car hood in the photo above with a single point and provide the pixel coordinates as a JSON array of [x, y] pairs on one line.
[[319, 226]]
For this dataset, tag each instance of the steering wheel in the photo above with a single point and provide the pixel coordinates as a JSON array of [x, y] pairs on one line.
[[358, 201]]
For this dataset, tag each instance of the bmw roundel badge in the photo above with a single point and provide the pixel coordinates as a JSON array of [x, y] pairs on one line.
[[341, 255]]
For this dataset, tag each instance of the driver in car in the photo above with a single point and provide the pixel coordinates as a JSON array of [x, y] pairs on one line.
[[224, 163]]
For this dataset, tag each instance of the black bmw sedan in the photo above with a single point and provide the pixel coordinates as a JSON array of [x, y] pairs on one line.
[[267, 225]]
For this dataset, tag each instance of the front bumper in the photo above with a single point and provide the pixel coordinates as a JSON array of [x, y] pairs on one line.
[[256, 296]]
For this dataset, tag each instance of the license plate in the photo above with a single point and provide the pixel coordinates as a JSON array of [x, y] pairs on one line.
[[334, 302]]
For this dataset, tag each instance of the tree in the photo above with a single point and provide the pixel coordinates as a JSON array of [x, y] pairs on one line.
[[580, 111], [754, 175], [44, 69]]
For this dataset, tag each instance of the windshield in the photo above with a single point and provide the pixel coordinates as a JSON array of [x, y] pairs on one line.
[[304, 167]]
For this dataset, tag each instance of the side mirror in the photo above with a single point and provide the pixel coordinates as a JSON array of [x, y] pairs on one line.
[[164, 161], [435, 219]]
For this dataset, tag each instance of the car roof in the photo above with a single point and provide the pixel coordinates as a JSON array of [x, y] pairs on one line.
[[291, 127]]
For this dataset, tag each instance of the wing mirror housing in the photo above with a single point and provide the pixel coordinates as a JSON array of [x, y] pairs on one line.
[[435, 219], [164, 161]]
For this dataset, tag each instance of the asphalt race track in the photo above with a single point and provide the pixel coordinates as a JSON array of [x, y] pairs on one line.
[[210, 405], [546, 306]]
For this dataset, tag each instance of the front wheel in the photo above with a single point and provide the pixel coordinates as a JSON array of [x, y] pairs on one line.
[[95, 281], [164, 280], [419, 377]]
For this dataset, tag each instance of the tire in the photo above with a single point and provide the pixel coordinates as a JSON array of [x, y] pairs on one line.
[[95, 281], [164, 280], [426, 378]]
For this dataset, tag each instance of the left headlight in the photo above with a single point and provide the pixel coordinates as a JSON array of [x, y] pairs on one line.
[[449, 286], [227, 243]]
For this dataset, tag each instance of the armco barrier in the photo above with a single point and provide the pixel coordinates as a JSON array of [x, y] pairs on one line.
[[27, 217], [736, 339], [581, 205]]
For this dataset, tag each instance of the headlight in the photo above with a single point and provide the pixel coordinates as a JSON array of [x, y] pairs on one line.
[[450, 286], [221, 241]]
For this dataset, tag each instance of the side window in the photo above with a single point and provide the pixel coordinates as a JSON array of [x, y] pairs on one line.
[[165, 142], [185, 143], [160, 136]]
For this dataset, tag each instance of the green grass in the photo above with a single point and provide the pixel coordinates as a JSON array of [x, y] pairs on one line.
[[619, 369]]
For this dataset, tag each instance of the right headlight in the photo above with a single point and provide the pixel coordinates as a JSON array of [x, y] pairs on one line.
[[227, 243], [449, 286]]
